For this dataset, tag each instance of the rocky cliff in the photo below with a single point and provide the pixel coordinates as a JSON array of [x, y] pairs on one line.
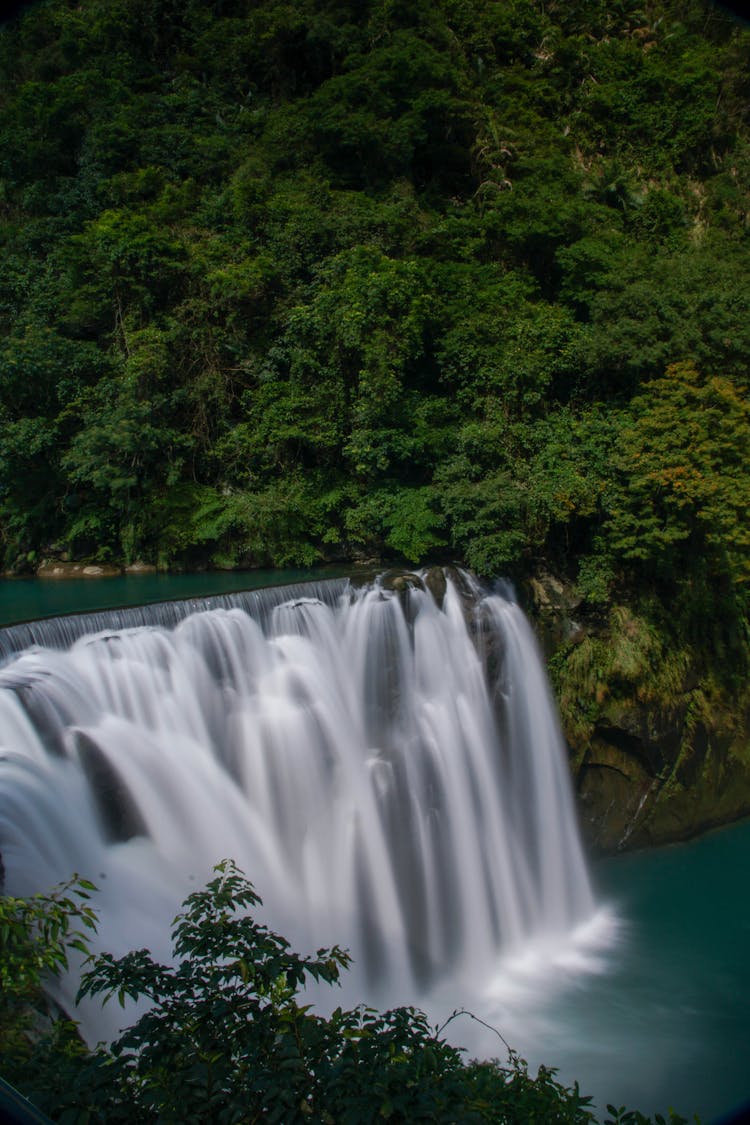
[[659, 739]]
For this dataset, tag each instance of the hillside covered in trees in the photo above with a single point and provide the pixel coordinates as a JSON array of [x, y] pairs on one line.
[[287, 282]]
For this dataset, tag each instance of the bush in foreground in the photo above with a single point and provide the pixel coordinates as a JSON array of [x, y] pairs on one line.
[[226, 1040]]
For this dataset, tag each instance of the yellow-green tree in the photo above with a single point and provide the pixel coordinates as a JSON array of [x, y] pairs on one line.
[[683, 494]]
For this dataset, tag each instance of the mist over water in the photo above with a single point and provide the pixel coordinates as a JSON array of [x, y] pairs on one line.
[[387, 769]]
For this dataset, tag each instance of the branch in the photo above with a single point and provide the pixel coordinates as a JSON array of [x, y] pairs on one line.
[[466, 1012]]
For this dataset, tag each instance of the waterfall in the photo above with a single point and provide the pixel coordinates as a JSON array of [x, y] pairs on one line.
[[385, 765]]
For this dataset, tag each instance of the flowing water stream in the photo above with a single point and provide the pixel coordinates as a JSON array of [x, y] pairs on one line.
[[387, 769], [386, 766]]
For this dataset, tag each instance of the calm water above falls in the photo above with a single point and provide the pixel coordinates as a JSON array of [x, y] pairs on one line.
[[26, 599], [642, 998]]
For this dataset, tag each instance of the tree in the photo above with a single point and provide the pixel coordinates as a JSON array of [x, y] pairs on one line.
[[683, 487], [248, 245], [679, 508], [37, 936]]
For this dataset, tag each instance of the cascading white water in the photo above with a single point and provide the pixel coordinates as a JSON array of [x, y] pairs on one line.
[[388, 771]]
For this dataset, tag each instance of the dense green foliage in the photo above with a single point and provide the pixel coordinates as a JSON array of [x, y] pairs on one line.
[[226, 1039], [287, 281], [37, 936]]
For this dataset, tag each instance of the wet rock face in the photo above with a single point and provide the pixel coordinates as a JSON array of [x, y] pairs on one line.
[[57, 568], [400, 581], [612, 790], [553, 604], [435, 582], [619, 777], [625, 801], [140, 567], [119, 815]]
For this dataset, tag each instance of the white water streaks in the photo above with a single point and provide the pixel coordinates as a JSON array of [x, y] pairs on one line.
[[387, 770]]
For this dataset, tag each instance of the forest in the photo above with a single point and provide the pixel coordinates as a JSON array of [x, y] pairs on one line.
[[291, 282]]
